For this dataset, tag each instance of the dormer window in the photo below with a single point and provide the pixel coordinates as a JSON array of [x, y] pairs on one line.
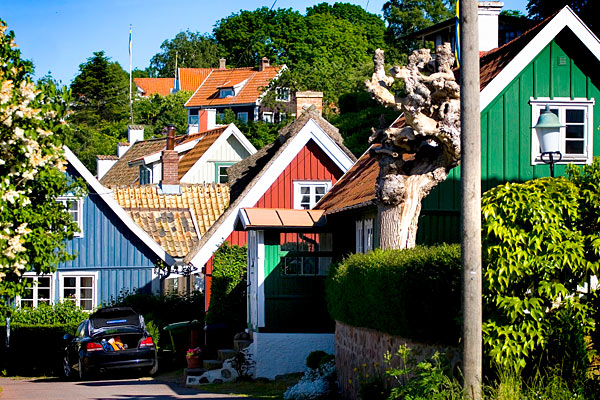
[[226, 92]]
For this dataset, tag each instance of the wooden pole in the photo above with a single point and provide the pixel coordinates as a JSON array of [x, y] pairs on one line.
[[471, 197]]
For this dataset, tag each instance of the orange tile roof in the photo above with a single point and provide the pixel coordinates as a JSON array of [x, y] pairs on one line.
[[170, 218], [150, 86], [208, 93], [191, 78]]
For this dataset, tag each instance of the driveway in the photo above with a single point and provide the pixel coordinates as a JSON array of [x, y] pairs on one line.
[[122, 389]]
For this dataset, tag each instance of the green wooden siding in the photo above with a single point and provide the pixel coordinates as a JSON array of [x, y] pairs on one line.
[[506, 135], [292, 303]]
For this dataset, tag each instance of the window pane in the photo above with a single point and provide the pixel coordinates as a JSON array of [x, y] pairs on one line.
[[574, 147], [86, 304], [575, 116], [44, 281], [304, 190], [575, 131], [26, 303], [308, 265], [28, 294], [292, 266], [85, 294], [43, 294], [69, 282], [69, 293], [86, 282], [320, 190], [324, 264]]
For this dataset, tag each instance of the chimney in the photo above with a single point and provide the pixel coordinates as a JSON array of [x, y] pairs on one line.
[[207, 119], [487, 15], [306, 99], [104, 164], [135, 133], [222, 62], [263, 63], [170, 163]]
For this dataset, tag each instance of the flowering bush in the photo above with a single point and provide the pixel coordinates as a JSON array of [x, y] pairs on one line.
[[194, 352], [33, 226], [315, 384]]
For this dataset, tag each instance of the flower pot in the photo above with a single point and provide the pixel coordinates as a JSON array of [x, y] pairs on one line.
[[194, 361]]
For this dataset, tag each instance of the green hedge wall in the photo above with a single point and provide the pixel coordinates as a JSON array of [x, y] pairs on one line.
[[413, 293], [35, 350]]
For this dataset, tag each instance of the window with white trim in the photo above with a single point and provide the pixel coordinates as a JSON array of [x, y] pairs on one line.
[[283, 94], [267, 117], [74, 207], [79, 288], [364, 235], [39, 292], [242, 116], [226, 92], [308, 193], [576, 137]]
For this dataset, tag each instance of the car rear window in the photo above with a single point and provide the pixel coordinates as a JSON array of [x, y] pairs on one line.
[[114, 317]]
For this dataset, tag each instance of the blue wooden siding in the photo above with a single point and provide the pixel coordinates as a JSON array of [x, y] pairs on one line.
[[107, 246]]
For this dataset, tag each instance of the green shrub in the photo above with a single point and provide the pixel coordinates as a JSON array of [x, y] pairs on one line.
[[49, 314], [317, 358], [538, 256], [228, 288], [414, 293], [35, 350]]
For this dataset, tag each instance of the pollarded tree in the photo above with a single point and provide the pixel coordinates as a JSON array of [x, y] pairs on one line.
[[33, 226], [414, 158]]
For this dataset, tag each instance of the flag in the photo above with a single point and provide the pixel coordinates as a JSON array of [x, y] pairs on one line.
[[129, 39], [457, 36]]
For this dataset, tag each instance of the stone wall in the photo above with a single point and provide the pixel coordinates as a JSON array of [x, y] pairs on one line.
[[364, 349]]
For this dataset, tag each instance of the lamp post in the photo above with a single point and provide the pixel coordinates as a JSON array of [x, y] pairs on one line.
[[548, 131]]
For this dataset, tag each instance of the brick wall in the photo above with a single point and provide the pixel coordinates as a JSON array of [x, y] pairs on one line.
[[308, 98], [355, 347]]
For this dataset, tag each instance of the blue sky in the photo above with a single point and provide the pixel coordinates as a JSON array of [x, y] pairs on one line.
[[59, 35]]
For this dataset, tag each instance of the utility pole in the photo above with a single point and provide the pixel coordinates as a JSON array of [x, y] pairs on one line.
[[470, 172]]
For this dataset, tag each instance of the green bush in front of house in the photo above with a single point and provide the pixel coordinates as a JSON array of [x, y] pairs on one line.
[[414, 293]]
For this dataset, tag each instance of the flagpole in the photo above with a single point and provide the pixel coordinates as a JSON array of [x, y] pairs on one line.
[[130, 77]]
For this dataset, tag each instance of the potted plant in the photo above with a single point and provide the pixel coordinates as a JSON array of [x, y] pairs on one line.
[[194, 356]]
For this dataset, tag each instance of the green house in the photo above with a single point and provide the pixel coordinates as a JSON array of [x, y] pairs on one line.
[[556, 63]]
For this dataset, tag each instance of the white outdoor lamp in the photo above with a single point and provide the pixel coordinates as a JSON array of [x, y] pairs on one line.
[[548, 131]]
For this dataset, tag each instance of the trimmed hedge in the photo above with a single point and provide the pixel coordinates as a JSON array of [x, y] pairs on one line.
[[414, 293], [35, 350]]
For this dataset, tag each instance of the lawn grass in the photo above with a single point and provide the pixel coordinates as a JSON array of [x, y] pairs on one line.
[[272, 390]]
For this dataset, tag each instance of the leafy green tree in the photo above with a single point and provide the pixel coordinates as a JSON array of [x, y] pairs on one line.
[[409, 16], [541, 9], [190, 49], [156, 112], [512, 13], [33, 226], [537, 258], [101, 92]]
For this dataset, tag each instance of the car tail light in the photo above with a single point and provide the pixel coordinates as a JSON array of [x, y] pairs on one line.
[[93, 346], [147, 342]]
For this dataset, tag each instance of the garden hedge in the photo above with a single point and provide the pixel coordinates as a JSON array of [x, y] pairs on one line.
[[35, 350], [414, 293]]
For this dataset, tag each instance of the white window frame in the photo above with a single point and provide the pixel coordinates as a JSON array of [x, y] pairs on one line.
[[282, 94], [79, 219], [34, 288], [226, 92], [79, 275], [267, 117], [359, 243], [563, 103], [364, 235], [312, 185]]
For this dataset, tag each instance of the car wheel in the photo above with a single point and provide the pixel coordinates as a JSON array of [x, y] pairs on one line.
[[67, 370], [154, 368], [82, 374]]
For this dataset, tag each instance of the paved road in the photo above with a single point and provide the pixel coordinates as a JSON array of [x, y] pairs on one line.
[[123, 389]]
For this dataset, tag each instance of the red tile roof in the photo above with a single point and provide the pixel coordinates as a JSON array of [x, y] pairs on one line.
[[208, 93], [150, 86], [191, 78]]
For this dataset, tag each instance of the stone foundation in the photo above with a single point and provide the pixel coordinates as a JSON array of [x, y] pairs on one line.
[[364, 349]]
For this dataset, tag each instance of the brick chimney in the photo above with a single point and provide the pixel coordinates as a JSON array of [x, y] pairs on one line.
[[170, 163], [222, 63], [487, 16], [207, 119], [263, 63], [306, 99]]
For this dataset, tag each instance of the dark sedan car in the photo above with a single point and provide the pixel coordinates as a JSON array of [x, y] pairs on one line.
[[112, 338]]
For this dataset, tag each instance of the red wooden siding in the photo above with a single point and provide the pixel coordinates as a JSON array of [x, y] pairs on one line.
[[311, 163]]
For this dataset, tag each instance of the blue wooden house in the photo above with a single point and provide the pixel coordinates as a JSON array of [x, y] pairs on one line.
[[114, 255]]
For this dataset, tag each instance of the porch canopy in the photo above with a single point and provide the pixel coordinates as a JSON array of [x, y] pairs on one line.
[[281, 219]]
